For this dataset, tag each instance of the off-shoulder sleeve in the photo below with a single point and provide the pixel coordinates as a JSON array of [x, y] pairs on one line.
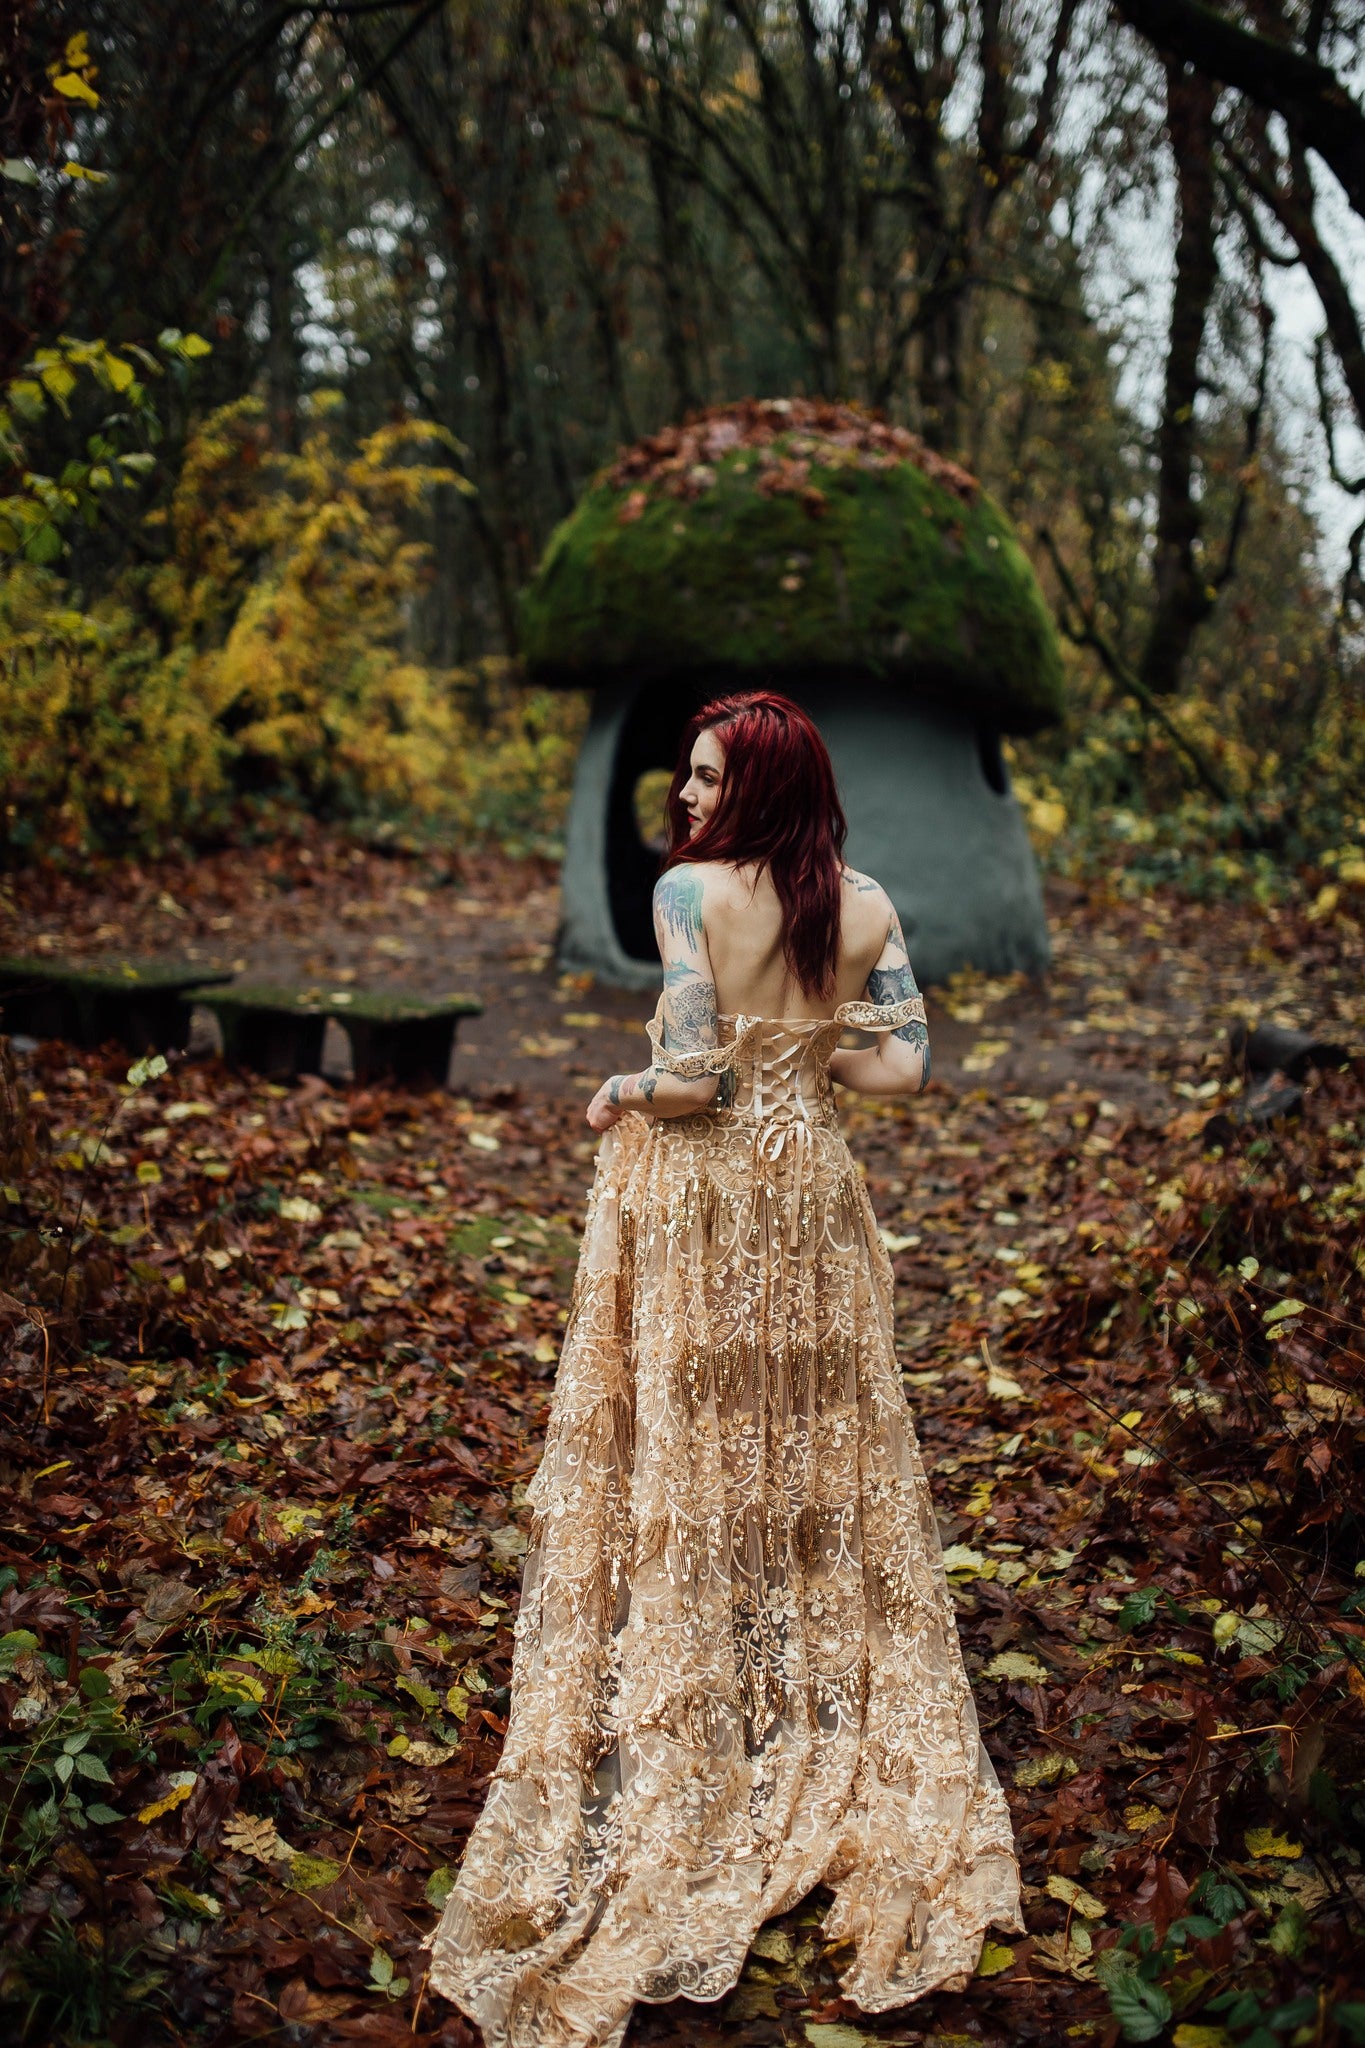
[[688, 1066], [881, 1016]]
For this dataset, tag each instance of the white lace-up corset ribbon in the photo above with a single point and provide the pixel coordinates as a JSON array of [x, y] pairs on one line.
[[780, 1090]]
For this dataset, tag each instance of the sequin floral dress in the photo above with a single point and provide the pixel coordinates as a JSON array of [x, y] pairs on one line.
[[737, 1672]]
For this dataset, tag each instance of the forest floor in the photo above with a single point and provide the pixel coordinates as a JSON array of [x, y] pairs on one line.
[[277, 1363]]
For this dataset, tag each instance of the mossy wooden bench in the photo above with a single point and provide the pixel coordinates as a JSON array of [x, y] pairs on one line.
[[141, 1004], [279, 1031]]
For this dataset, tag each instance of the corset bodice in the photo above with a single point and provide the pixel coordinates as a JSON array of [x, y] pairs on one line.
[[776, 1069], [780, 1068]]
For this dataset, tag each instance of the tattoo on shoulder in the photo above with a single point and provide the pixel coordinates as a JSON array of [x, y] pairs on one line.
[[677, 905], [864, 884]]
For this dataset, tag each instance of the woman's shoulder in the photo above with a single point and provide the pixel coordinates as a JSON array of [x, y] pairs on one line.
[[864, 900], [678, 896], [718, 884]]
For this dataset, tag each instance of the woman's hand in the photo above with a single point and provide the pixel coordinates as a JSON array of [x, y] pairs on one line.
[[606, 1108]]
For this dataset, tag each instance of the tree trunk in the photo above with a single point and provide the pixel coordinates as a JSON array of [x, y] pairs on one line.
[[1183, 596], [282, 366]]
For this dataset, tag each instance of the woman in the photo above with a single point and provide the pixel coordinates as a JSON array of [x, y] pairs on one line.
[[737, 1672]]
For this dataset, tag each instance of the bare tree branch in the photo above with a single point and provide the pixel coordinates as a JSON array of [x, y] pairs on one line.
[[1310, 96]]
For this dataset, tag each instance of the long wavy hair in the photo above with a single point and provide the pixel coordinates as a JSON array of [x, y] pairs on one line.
[[779, 808]]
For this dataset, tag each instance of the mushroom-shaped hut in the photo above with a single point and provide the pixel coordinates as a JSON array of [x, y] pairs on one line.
[[807, 547]]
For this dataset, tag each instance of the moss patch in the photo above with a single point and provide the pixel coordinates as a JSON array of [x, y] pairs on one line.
[[356, 1004], [120, 978], [871, 567]]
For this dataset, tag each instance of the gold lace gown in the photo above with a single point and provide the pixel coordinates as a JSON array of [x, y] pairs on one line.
[[737, 1672]]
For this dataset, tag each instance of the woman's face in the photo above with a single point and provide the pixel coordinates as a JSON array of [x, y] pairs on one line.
[[701, 791]]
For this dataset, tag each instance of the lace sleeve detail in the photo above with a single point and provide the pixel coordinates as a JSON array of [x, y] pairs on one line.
[[688, 1066], [881, 1016]]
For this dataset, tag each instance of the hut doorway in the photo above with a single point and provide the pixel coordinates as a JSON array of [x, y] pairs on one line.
[[648, 735]]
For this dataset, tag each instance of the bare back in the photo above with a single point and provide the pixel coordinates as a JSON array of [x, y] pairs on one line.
[[742, 919]]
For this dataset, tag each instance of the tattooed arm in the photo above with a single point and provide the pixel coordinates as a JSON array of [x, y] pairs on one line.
[[689, 1011], [898, 1064]]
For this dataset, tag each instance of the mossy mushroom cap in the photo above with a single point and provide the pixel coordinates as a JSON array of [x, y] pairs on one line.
[[761, 541]]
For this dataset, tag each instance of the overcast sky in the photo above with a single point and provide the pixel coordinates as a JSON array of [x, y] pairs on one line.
[[1133, 244]]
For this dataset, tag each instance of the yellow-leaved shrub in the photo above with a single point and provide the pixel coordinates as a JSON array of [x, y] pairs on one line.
[[104, 738], [266, 656]]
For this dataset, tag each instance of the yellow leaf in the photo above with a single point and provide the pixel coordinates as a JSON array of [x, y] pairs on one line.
[[238, 1685], [1046, 1770], [248, 1835], [149, 1173], [1265, 1842], [999, 1385], [1074, 1895], [994, 1958], [182, 1784], [429, 1755], [1014, 1664], [896, 1243], [1188, 2036], [1137, 1818], [1070, 1957], [58, 378], [72, 86], [311, 1873], [457, 1702], [294, 1520]]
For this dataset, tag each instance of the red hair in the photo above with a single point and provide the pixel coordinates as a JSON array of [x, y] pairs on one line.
[[779, 808]]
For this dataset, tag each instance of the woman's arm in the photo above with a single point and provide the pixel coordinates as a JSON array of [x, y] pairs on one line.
[[689, 1011], [898, 1064]]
